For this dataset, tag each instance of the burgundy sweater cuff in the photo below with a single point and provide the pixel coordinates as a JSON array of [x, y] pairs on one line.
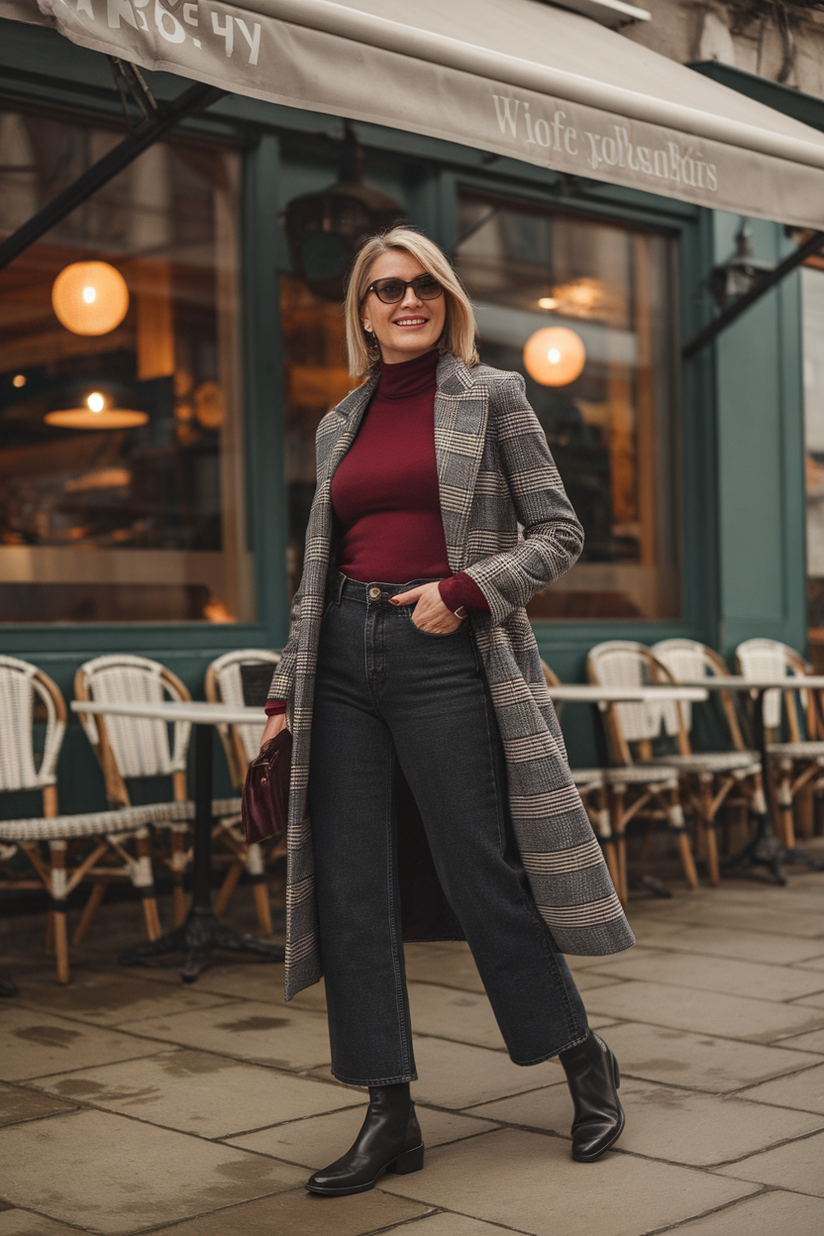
[[274, 708], [460, 590]]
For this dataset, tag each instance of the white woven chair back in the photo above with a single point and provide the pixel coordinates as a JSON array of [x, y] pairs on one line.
[[768, 658], [686, 660], [620, 663], [227, 673], [21, 767], [141, 746]]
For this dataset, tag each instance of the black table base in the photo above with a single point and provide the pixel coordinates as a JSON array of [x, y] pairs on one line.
[[202, 931]]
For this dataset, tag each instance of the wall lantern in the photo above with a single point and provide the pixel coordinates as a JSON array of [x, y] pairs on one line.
[[324, 230], [554, 356], [96, 415], [90, 298], [737, 275]]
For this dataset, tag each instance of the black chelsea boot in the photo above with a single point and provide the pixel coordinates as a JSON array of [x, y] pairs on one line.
[[593, 1079], [389, 1141]]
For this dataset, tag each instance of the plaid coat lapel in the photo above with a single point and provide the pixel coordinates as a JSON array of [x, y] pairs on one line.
[[461, 411]]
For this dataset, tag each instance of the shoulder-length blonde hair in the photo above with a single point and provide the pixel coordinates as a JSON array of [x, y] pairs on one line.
[[460, 330]]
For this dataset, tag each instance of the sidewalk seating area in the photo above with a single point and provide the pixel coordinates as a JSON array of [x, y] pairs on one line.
[[132, 1103]]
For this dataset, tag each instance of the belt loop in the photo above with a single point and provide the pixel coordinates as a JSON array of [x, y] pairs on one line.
[[341, 585]]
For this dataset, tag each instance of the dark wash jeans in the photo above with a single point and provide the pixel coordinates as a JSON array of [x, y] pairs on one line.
[[388, 693]]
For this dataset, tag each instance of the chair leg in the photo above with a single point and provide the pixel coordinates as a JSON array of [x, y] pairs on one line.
[[58, 892], [784, 800], [254, 865], [143, 879], [89, 910], [675, 813], [617, 798], [605, 836], [49, 947], [709, 830], [178, 866], [227, 887], [805, 806]]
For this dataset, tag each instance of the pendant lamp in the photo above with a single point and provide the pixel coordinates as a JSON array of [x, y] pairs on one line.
[[90, 298], [554, 356], [96, 415]]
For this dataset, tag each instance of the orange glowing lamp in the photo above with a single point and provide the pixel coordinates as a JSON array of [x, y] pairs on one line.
[[554, 356], [96, 414], [90, 298]]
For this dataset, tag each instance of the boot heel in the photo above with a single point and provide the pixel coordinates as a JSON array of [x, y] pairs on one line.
[[410, 1161]]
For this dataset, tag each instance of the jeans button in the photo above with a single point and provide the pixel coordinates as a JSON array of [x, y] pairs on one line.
[[374, 593]]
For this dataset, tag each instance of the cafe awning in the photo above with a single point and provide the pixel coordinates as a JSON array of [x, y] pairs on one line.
[[522, 79]]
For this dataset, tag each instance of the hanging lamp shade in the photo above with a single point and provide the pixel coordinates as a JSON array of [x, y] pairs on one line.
[[90, 298], [96, 414], [554, 356], [325, 229]]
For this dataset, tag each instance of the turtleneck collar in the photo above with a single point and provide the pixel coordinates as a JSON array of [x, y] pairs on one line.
[[411, 377]]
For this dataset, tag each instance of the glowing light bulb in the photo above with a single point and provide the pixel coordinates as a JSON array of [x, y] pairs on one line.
[[547, 302], [96, 402], [90, 298], [554, 356], [19, 380]]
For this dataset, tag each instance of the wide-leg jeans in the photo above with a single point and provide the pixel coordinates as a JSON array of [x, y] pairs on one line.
[[390, 696]]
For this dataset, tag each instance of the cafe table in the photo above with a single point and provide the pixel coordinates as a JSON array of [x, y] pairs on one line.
[[765, 849], [202, 930]]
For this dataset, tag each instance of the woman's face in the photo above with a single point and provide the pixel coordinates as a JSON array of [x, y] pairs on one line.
[[412, 326]]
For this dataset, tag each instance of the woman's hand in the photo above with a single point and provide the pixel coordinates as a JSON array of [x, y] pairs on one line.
[[274, 725], [430, 614]]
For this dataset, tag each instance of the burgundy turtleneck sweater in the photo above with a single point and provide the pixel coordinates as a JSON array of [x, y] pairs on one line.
[[385, 492]]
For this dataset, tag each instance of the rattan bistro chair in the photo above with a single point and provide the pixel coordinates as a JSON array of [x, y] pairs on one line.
[[241, 744], [591, 784], [639, 788], [29, 699], [796, 766], [136, 747], [708, 777]]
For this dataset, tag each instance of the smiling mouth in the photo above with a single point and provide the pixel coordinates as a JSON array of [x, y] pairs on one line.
[[411, 321]]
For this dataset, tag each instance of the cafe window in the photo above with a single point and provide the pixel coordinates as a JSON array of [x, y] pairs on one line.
[[121, 462], [584, 310]]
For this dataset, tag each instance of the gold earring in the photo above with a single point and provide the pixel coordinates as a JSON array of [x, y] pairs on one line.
[[367, 327]]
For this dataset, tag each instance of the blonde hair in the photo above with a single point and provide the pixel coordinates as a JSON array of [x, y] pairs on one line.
[[460, 330]]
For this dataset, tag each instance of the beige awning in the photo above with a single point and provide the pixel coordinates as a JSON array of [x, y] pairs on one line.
[[519, 78]]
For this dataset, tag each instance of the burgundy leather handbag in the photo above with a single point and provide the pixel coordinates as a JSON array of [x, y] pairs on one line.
[[266, 790]]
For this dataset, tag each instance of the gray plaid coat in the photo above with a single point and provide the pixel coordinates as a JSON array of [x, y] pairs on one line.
[[510, 526]]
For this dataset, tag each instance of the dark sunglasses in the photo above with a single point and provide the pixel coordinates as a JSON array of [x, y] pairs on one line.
[[390, 291]]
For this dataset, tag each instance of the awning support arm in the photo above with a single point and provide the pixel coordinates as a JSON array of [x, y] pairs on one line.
[[148, 131], [767, 281], [128, 77]]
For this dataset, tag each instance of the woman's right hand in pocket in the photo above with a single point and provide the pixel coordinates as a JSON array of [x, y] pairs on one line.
[[273, 727]]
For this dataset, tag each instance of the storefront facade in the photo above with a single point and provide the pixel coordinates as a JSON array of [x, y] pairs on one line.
[[180, 537]]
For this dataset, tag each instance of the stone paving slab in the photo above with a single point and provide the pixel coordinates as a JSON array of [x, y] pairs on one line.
[[110, 999], [699, 1061], [284, 1038], [200, 1093], [455, 1075], [678, 1126], [734, 1017], [23, 1223], [769, 1214], [35, 1044], [297, 1213], [530, 1182], [796, 1166], [814, 1041], [319, 1140], [811, 1001], [737, 944], [813, 963], [18, 1104], [719, 974], [804, 1091], [109, 1174]]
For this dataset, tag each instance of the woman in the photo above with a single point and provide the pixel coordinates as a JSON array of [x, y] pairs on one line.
[[440, 799]]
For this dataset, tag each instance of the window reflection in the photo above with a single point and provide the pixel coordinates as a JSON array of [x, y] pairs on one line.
[[611, 429], [137, 523]]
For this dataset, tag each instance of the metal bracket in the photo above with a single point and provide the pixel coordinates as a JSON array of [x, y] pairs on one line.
[[762, 285], [163, 116], [127, 77]]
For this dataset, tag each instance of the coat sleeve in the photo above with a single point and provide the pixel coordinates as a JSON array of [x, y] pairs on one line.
[[552, 537]]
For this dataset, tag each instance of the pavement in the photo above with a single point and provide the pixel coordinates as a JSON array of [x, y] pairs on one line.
[[131, 1103]]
